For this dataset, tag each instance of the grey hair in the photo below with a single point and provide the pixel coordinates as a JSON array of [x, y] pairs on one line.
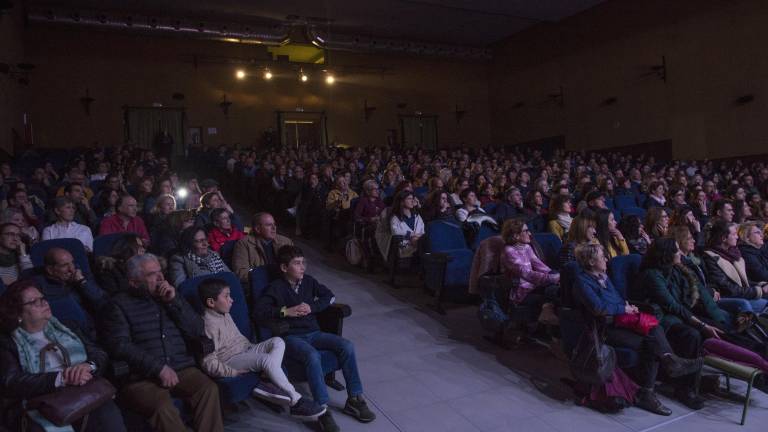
[[587, 252], [369, 184], [134, 266]]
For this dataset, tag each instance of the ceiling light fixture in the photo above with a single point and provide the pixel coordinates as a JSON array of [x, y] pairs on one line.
[[267, 74], [303, 77], [240, 74], [329, 79]]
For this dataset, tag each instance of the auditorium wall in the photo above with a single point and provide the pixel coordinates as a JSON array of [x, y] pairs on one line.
[[11, 92], [714, 54], [119, 69]]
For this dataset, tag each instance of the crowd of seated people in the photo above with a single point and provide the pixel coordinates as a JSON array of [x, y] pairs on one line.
[[74, 311], [698, 224], [703, 250]]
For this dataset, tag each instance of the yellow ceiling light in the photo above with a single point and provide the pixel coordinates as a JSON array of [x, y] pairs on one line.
[[303, 77], [267, 74], [240, 74], [329, 79]]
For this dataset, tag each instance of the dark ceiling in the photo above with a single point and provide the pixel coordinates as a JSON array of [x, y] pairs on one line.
[[458, 22]]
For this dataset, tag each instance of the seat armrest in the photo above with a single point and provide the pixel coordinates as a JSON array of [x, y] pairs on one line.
[[331, 320], [438, 257], [649, 308]]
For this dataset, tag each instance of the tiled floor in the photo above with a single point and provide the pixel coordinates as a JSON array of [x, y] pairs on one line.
[[424, 372]]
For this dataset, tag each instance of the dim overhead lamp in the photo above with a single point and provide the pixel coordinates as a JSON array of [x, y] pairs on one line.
[[267, 75], [330, 79], [240, 74], [303, 77]]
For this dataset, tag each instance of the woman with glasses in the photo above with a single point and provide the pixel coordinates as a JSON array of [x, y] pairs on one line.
[[222, 230], [27, 327], [195, 258], [538, 284], [13, 253]]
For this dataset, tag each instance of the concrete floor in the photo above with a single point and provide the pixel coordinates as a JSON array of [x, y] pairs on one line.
[[425, 372]]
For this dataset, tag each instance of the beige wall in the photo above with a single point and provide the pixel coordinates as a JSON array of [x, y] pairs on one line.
[[11, 93], [122, 69], [714, 52]]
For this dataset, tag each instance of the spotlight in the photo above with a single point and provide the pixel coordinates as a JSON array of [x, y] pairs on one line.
[[240, 74], [182, 193], [303, 77], [267, 75], [330, 79]]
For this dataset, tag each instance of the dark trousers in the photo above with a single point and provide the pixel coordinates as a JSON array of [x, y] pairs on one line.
[[650, 349], [154, 402], [687, 342]]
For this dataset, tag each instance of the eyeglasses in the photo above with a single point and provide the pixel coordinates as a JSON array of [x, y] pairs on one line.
[[11, 234], [38, 302]]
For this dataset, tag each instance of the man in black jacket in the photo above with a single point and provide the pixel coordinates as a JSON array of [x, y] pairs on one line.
[[295, 299], [149, 327]]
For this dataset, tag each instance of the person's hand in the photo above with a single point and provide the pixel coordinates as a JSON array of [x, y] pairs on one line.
[[168, 377], [295, 311], [27, 207], [22, 248], [304, 308], [242, 371], [661, 228], [78, 276], [716, 296], [630, 309], [77, 375], [765, 289], [711, 332], [166, 292], [615, 233]]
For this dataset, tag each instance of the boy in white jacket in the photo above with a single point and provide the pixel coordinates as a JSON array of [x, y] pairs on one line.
[[235, 355]]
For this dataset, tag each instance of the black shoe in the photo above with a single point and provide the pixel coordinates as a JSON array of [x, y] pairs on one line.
[[357, 408], [327, 423], [709, 384], [306, 410], [675, 366], [689, 398], [647, 400]]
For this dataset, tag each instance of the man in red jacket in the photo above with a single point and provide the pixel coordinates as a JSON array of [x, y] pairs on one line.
[[125, 220]]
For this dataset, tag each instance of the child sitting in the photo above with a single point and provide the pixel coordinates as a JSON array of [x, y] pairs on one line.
[[235, 355]]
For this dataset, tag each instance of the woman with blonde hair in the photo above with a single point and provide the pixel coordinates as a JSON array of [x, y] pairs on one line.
[[755, 256], [583, 231]]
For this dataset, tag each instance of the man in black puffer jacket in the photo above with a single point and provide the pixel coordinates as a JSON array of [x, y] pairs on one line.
[[149, 327]]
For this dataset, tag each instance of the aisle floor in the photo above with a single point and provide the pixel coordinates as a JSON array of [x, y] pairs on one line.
[[424, 372]]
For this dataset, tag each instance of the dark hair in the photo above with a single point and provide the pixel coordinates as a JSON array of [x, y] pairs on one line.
[[215, 213], [125, 247], [601, 228], [205, 199], [556, 203], [397, 203], [630, 227], [661, 254], [718, 233], [187, 238], [287, 253], [68, 188], [7, 224], [210, 289], [122, 199], [465, 193], [719, 205], [738, 210], [11, 304]]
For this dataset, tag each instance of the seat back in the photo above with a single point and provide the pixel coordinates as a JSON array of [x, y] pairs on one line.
[[226, 251], [624, 201], [103, 244], [622, 270], [634, 211], [239, 309], [259, 279], [568, 275], [490, 207], [443, 236], [550, 245], [73, 246], [485, 231]]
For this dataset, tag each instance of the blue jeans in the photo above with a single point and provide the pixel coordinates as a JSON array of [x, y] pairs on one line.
[[736, 305], [306, 347]]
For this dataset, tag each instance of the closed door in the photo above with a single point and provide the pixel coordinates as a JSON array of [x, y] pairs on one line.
[[419, 131]]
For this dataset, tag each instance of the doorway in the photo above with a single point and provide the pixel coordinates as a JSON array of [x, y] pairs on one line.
[[302, 129], [419, 131], [157, 129]]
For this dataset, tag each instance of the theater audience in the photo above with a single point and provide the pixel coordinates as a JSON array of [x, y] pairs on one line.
[[404, 221], [608, 235], [210, 201], [511, 206], [656, 222], [195, 258], [62, 278], [235, 355], [259, 248], [14, 258], [84, 215], [631, 227], [595, 293], [125, 220], [152, 328], [726, 270], [751, 246], [166, 230], [582, 231], [296, 299], [111, 273], [222, 230], [29, 234], [65, 225], [538, 284], [560, 216], [27, 328]]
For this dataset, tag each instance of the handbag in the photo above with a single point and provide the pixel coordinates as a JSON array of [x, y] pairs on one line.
[[641, 323], [69, 404], [592, 362]]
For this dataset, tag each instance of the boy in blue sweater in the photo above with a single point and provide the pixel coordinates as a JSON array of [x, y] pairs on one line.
[[296, 298]]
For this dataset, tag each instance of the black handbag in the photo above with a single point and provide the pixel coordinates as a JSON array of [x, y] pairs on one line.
[[69, 404], [592, 361]]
